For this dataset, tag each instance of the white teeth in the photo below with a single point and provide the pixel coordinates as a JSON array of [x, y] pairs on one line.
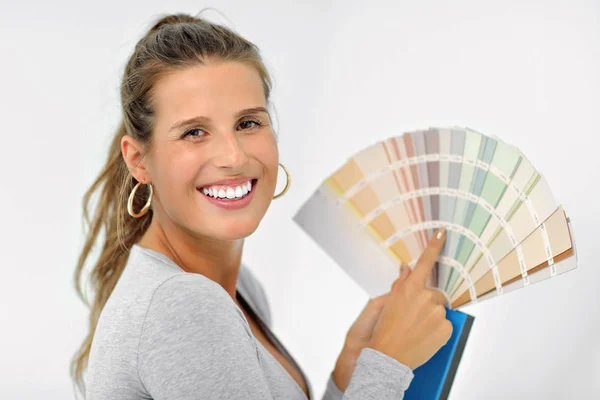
[[229, 193]]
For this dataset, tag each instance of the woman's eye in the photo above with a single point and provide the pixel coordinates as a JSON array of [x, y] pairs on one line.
[[248, 124], [194, 132]]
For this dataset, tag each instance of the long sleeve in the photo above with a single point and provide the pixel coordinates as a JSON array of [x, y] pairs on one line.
[[195, 343], [376, 376]]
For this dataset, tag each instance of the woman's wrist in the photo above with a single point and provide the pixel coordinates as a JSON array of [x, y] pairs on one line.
[[344, 366]]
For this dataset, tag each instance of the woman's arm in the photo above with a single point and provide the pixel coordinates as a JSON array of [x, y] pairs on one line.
[[196, 343], [375, 376]]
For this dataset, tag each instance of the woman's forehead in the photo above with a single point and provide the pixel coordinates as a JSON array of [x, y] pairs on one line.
[[216, 89]]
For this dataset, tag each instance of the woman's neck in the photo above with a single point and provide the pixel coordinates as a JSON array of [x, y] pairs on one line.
[[216, 259]]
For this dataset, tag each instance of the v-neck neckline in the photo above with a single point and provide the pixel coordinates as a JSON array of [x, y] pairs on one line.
[[248, 306], [276, 343]]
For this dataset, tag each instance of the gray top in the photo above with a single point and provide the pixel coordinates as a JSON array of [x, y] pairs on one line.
[[167, 334]]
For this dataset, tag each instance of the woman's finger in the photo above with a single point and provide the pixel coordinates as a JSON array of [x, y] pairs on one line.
[[439, 296], [428, 258], [404, 274]]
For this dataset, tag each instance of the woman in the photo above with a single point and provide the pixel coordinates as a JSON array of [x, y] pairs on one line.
[[191, 172]]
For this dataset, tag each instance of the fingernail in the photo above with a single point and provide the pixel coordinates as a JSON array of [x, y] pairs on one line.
[[440, 234]]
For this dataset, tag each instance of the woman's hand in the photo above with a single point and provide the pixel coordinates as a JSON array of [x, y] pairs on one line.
[[412, 325], [360, 334]]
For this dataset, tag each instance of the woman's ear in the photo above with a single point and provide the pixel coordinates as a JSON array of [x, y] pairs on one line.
[[133, 152]]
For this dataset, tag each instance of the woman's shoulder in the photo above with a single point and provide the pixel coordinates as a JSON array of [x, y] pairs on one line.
[[167, 288], [188, 292], [154, 272], [157, 307], [150, 290]]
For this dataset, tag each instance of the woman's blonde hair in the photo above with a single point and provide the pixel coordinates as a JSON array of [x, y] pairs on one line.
[[174, 42]]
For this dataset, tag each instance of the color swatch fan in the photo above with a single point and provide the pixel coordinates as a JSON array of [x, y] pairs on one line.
[[504, 227]]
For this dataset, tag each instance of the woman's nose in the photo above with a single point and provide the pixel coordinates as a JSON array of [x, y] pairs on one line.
[[230, 152]]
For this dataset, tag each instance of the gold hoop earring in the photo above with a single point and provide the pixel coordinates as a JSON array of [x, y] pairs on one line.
[[287, 182], [146, 207]]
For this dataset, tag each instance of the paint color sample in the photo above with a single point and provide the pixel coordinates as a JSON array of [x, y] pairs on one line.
[[504, 227]]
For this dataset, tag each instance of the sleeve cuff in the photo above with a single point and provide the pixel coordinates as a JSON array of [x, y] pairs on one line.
[[332, 392], [380, 375]]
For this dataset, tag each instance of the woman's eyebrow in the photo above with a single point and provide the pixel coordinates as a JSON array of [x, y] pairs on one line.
[[250, 111], [205, 120]]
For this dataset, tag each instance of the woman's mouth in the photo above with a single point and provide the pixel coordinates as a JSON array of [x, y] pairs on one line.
[[230, 197]]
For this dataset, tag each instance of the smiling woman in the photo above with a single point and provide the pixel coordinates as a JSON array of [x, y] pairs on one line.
[[176, 315], [225, 137]]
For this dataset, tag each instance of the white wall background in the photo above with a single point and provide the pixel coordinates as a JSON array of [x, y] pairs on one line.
[[347, 73]]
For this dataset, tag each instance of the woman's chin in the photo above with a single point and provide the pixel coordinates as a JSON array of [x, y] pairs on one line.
[[234, 231]]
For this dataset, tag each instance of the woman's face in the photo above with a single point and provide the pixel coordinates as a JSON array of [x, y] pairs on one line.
[[229, 137]]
